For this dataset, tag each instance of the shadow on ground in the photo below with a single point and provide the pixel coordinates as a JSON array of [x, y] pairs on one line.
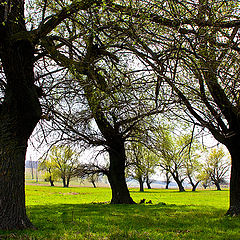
[[119, 222]]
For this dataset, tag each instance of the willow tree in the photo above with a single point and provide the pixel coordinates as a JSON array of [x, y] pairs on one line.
[[20, 109]]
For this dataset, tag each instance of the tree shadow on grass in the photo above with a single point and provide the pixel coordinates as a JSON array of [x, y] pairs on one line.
[[105, 221]]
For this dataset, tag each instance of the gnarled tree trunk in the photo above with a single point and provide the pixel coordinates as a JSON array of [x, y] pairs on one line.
[[179, 182], [234, 150], [19, 114], [116, 174], [217, 184]]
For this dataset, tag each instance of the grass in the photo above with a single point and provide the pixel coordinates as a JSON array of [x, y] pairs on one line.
[[81, 213]]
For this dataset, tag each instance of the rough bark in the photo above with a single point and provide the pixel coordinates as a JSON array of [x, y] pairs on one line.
[[234, 150], [20, 113], [116, 174]]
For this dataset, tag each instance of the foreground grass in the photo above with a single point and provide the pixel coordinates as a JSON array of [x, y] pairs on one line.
[[81, 213]]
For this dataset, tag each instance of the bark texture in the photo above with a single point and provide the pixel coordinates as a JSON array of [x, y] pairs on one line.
[[19, 113], [116, 174], [234, 150]]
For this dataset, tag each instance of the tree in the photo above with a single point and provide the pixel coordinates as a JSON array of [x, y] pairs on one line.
[[141, 164], [136, 167], [172, 152], [192, 164], [168, 179], [20, 108], [93, 178], [65, 161], [49, 167], [192, 168], [217, 166], [105, 95], [204, 178], [91, 172], [193, 47]]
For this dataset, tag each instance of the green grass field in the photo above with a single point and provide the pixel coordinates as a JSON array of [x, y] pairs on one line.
[[84, 213]]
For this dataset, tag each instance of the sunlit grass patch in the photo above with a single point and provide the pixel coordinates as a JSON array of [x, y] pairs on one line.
[[74, 213]]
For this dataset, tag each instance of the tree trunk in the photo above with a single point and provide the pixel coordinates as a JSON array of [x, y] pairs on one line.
[[51, 181], [194, 186], [234, 150], [19, 114], [12, 183], [205, 186], [167, 180], [179, 183], [115, 145], [148, 183], [141, 188], [93, 183], [180, 186], [116, 174], [68, 181], [217, 185], [64, 181]]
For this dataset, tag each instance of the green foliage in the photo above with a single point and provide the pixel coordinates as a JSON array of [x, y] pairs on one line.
[[61, 163], [61, 213], [141, 161], [217, 157], [173, 150], [50, 170], [217, 165]]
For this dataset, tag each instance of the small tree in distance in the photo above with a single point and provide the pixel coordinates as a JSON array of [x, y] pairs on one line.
[[61, 162], [192, 164], [141, 164], [217, 166], [172, 152], [51, 174]]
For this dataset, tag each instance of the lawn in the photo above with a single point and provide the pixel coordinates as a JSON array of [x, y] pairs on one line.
[[84, 213]]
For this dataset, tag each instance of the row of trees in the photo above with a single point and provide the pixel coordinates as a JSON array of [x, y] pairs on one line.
[[210, 168], [63, 163], [114, 65], [174, 160]]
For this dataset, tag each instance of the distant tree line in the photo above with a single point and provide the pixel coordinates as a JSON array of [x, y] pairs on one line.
[[178, 163]]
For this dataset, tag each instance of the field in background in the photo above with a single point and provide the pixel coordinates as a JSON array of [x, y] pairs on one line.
[[84, 213]]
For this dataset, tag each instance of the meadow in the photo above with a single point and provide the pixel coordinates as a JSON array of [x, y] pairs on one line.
[[85, 213]]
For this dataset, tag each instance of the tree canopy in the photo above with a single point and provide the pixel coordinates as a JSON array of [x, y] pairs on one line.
[[96, 70]]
